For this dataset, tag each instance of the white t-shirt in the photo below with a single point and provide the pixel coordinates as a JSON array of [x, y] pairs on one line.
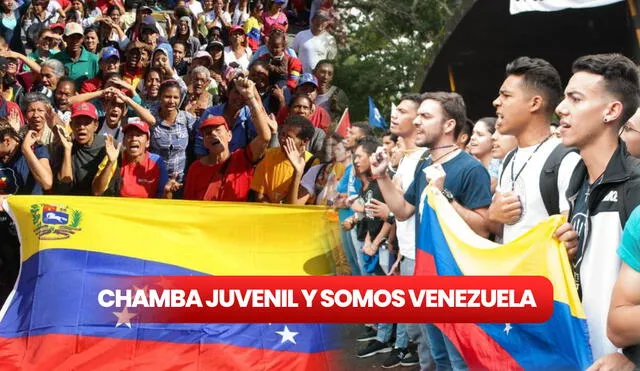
[[243, 61], [406, 230], [195, 7], [311, 49], [211, 16], [116, 133], [527, 185], [239, 17]]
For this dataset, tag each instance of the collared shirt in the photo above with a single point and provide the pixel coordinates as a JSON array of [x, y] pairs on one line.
[[171, 141], [86, 67], [243, 130]]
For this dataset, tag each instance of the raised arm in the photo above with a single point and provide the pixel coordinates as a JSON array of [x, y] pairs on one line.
[[259, 117], [40, 168]]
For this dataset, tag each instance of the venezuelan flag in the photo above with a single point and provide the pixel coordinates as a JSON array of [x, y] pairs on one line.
[[69, 245], [447, 246]]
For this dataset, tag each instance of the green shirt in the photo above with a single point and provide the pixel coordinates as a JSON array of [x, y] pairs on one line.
[[629, 249], [86, 67], [35, 56]]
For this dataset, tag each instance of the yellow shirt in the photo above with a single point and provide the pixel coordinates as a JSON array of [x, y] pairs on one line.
[[274, 174]]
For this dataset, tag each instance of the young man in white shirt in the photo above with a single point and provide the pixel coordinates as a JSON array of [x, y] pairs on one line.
[[315, 44], [524, 106]]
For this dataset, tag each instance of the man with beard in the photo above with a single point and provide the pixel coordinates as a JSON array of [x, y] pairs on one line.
[[142, 174], [77, 160], [465, 183], [81, 64], [116, 105], [224, 175]]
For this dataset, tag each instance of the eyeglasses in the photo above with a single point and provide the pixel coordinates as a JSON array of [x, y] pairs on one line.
[[627, 128]]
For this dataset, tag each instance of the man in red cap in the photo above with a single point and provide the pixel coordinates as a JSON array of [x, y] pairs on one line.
[[223, 175], [76, 162], [142, 174]]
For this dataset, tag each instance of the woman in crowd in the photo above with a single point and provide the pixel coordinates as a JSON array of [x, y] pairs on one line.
[[274, 15], [174, 130], [198, 98], [151, 95], [92, 40], [238, 52], [480, 146], [218, 65], [11, 23]]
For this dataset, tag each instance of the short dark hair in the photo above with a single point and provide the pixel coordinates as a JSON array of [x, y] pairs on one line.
[[540, 76], [300, 96], [364, 126], [330, 62], [306, 127], [8, 131], [66, 80], [620, 76], [413, 97], [453, 107], [465, 128], [369, 144], [388, 133], [491, 123], [184, 44]]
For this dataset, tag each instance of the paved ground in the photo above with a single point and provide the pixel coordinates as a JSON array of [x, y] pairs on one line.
[[350, 347]]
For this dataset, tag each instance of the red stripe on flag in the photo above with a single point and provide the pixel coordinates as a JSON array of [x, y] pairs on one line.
[[479, 350], [425, 264], [72, 352]]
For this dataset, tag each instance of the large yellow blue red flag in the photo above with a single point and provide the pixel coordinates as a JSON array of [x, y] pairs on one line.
[[69, 244], [448, 247]]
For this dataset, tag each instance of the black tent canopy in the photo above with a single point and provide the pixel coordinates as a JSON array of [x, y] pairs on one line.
[[484, 37]]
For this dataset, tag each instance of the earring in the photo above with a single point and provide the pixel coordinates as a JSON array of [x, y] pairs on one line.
[[604, 120]]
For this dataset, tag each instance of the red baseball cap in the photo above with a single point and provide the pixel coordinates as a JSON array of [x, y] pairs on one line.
[[279, 27], [53, 26], [84, 109], [214, 121], [236, 28], [139, 124]]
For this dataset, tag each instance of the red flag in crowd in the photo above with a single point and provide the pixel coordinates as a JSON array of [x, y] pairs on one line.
[[344, 124]]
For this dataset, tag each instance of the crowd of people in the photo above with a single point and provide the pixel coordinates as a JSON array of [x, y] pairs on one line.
[[217, 106]]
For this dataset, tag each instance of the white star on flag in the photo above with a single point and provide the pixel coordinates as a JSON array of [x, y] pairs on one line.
[[507, 328], [124, 317], [287, 335]]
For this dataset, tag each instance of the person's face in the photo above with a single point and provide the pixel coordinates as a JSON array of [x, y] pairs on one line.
[[512, 106], [170, 98], [630, 134], [257, 11], [200, 82], [12, 67], [216, 52], [291, 132], [111, 64], [36, 116], [152, 84], [183, 28], [260, 76], [63, 93], [114, 111], [83, 128], [159, 59], [388, 144], [237, 37], [149, 36], [218, 5], [6, 4], [74, 42], [583, 109], [7, 144], [178, 53], [276, 46], [324, 74], [136, 142], [145, 56], [133, 58], [91, 41], [77, 5], [501, 144], [301, 107], [339, 151], [115, 16], [480, 144], [309, 90], [44, 43], [207, 4], [402, 118], [353, 134], [429, 123], [361, 162], [216, 138], [49, 79]]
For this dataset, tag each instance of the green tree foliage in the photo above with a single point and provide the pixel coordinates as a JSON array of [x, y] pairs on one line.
[[388, 44]]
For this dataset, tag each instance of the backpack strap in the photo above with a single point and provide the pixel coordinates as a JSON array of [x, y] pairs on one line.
[[505, 162], [549, 178]]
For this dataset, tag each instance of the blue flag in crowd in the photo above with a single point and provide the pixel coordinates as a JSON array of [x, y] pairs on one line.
[[375, 118]]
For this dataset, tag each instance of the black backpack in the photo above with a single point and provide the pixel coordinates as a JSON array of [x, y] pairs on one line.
[[548, 176]]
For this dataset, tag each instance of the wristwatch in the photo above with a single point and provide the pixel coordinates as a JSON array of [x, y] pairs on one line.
[[391, 218], [448, 195]]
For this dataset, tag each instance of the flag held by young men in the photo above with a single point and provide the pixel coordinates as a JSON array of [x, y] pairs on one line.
[[448, 247], [70, 244]]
